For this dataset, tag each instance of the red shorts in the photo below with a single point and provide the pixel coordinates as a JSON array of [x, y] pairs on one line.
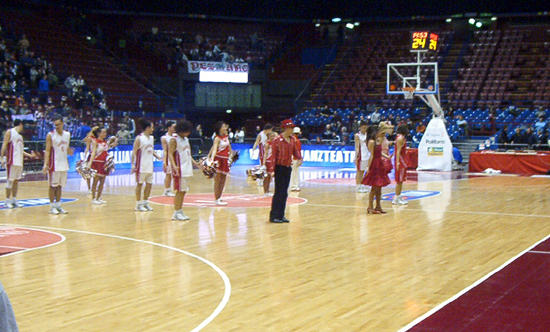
[[223, 164], [99, 167], [401, 174]]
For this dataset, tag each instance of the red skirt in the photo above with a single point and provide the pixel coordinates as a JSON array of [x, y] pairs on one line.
[[376, 177], [223, 164], [99, 167], [387, 165]]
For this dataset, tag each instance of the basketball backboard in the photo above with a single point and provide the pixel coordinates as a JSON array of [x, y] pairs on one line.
[[422, 76]]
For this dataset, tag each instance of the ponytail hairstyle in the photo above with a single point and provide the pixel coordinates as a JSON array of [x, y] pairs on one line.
[[97, 130]]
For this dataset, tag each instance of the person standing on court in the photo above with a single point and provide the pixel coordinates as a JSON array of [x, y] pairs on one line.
[[56, 164], [142, 163], [284, 148], [220, 152], [362, 155], [295, 176], [261, 140], [179, 156], [12, 158], [170, 125]]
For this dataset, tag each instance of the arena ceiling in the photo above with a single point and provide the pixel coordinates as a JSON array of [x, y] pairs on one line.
[[314, 9]]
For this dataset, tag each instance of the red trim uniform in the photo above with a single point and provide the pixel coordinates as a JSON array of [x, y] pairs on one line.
[[269, 163], [377, 175], [102, 152], [222, 155], [283, 151]]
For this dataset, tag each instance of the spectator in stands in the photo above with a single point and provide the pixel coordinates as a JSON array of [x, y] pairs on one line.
[[540, 124], [131, 124], [542, 137], [239, 135], [344, 136], [325, 112], [70, 82], [462, 123], [23, 44], [530, 138], [195, 140], [230, 134], [375, 117], [123, 135], [328, 134], [420, 127], [80, 82], [336, 117], [502, 138], [43, 89], [517, 137]]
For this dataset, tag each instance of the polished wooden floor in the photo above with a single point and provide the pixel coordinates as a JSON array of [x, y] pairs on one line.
[[333, 268]]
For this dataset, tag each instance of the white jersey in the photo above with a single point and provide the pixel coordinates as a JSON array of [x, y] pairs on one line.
[[15, 148], [363, 148], [144, 157], [58, 153], [263, 138], [182, 156], [166, 138]]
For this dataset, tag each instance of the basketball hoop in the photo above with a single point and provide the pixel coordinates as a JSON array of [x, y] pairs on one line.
[[408, 92]]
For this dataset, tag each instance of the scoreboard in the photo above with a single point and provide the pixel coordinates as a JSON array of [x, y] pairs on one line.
[[423, 41]]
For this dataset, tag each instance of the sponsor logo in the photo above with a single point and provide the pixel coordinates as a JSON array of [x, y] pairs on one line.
[[435, 151], [411, 195], [35, 202]]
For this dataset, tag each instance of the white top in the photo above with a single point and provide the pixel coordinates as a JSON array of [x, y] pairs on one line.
[[166, 139], [364, 150], [58, 153], [15, 149], [182, 156], [144, 157], [263, 138]]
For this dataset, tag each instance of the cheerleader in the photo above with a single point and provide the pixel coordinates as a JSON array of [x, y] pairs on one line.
[[260, 142], [99, 153], [400, 163], [220, 152], [362, 156], [179, 155], [142, 164], [268, 163], [88, 141], [377, 176], [165, 160]]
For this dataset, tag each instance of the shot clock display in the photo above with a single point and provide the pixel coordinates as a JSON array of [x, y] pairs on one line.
[[424, 41]]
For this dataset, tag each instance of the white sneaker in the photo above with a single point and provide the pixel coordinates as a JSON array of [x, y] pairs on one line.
[[402, 201], [295, 189], [96, 202], [16, 204], [53, 210], [147, 207], [100, 200], [140, 208], [61, 210], [9, 204], [179, 216], [268, 194], [169, 193], [220, 202], [395, 201]]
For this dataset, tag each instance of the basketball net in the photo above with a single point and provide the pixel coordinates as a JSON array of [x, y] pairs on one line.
[[408, 92]]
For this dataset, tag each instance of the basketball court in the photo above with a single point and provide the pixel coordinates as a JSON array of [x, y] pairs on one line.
[[464, 248]]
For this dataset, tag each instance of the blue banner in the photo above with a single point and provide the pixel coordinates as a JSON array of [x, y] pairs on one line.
[[313, 155]]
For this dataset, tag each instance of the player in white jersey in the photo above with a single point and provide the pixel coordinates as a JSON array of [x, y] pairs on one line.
[[165, 160], [362, 155], [179, 155], [142, 163], [56, 164], [12, 158]]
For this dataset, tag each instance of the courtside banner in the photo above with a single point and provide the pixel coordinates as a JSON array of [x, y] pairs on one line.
[[435, 149], [197, 66], [313, 155]]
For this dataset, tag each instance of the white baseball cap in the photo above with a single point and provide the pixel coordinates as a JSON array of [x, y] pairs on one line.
[[297, 130]]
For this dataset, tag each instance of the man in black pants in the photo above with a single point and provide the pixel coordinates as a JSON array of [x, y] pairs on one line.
[[283, 149]]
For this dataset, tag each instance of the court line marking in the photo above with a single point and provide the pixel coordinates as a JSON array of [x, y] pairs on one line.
[[12, 247], [29, 249], [445, 211], [540, 252], [212, 204], [469, 288], [224, 277]]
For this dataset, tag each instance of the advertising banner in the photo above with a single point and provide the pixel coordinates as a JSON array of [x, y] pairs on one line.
[[197, 66], [435, 151]]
